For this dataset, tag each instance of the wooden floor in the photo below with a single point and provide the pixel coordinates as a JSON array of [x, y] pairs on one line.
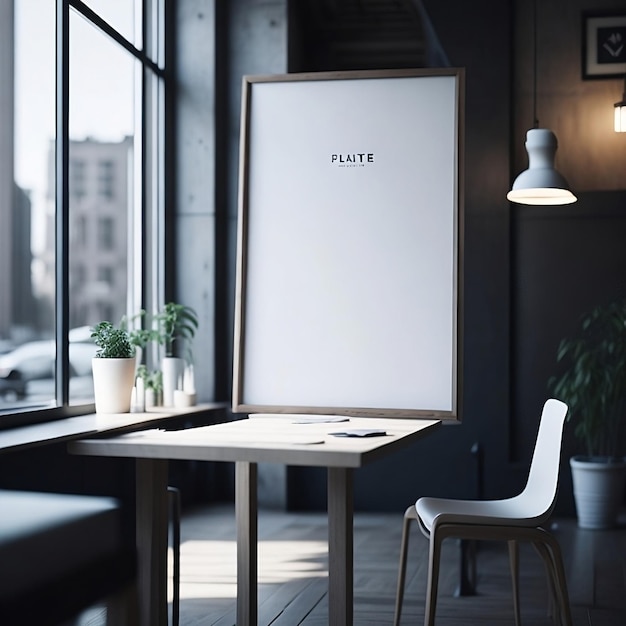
[[293, 574]]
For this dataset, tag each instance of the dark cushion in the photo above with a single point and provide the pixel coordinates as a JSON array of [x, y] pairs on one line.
[[48, 541]]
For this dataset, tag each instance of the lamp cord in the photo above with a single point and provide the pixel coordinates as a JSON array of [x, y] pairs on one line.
[[535, 120]]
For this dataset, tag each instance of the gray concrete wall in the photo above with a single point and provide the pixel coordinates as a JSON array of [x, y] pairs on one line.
[[240, 37], [195, 180]]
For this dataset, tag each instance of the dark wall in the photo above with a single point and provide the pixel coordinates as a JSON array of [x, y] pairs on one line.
[[567, 260], [530, 272]]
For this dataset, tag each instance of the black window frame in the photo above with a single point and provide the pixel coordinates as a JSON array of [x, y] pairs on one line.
[[153, 138]]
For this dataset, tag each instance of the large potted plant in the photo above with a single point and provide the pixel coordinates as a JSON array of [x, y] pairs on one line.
[[593, 384], [176, 326], [113, 368]]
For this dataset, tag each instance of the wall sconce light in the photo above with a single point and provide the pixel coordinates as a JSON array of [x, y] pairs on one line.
[[541, 183], [620, 113]]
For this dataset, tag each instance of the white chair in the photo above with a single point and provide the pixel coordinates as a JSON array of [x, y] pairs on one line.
[[514, 519]]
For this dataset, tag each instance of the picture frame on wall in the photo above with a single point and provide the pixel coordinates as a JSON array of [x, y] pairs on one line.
[[603, 45]]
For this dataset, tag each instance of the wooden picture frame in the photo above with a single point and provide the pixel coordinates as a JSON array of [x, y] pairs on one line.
[[603, 45], [350, 257]]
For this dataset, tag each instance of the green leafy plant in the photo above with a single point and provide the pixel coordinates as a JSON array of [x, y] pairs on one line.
[[112, 342], [175, 323], [139, 337], [593, 383], [152, 379], [155, 381]]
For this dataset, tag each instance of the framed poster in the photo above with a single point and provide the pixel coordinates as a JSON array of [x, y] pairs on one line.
[[604, 45], [349, 263]]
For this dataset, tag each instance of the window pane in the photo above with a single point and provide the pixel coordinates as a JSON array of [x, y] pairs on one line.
[[27, 282], [123, 15], [102, 193]]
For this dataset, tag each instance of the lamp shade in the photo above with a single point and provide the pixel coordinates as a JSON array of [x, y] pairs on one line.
[[541, 183]]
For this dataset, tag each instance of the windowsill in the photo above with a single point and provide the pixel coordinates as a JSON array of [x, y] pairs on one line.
[[58, 431]]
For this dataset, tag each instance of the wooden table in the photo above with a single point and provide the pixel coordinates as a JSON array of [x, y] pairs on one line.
[[247, 442]]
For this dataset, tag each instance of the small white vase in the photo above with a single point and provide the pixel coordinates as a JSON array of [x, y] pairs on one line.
[[172, 369], [113, 381], [150, 398]]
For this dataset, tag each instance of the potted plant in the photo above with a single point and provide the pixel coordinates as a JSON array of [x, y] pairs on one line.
[[152, 386], [139, 336], [593, 384], [176, 324], [113, 368]]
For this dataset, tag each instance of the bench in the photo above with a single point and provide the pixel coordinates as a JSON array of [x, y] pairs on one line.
[[61, 554]]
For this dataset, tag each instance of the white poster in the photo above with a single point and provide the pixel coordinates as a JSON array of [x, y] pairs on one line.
[[349, 265]]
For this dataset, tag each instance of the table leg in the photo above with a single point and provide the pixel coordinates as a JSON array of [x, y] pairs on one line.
[[340, 546], [247, 548], [151, 539]]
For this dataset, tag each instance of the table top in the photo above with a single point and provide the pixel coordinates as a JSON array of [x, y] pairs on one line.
[[285, 439], [80, 426]]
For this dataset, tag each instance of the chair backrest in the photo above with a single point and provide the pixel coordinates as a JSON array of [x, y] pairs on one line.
[[543, 477]]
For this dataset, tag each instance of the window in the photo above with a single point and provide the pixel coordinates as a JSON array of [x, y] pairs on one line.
[[106, 234], [81, 145], [78, 232], [106, 181], [78, 184], [106, 275]]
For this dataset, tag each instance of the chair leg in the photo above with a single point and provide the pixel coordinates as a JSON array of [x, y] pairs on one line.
[[467, 568], [473, 567], [409, 514], [434, 555], [553, 602], [514, 565], [560, 580]]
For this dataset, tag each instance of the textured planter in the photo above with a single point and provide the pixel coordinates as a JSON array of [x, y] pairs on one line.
[[113, 381], [598, 490]]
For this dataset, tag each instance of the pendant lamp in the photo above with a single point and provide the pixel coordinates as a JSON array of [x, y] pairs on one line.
[[541, 183]]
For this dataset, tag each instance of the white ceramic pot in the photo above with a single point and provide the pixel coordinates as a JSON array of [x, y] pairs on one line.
[[172, 369], [113, 381], [150, 398], [598, 490]]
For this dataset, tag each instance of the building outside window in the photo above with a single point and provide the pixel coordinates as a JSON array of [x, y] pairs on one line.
[[78, 232], [106, 179], [81, 142], [78, 184], [105, 234], [106, 275]]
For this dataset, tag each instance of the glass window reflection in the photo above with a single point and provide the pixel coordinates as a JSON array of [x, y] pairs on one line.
[[101, 149], [27, 283]]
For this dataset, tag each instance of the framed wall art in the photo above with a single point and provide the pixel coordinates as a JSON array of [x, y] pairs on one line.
[[603, 45], [350, 256]]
